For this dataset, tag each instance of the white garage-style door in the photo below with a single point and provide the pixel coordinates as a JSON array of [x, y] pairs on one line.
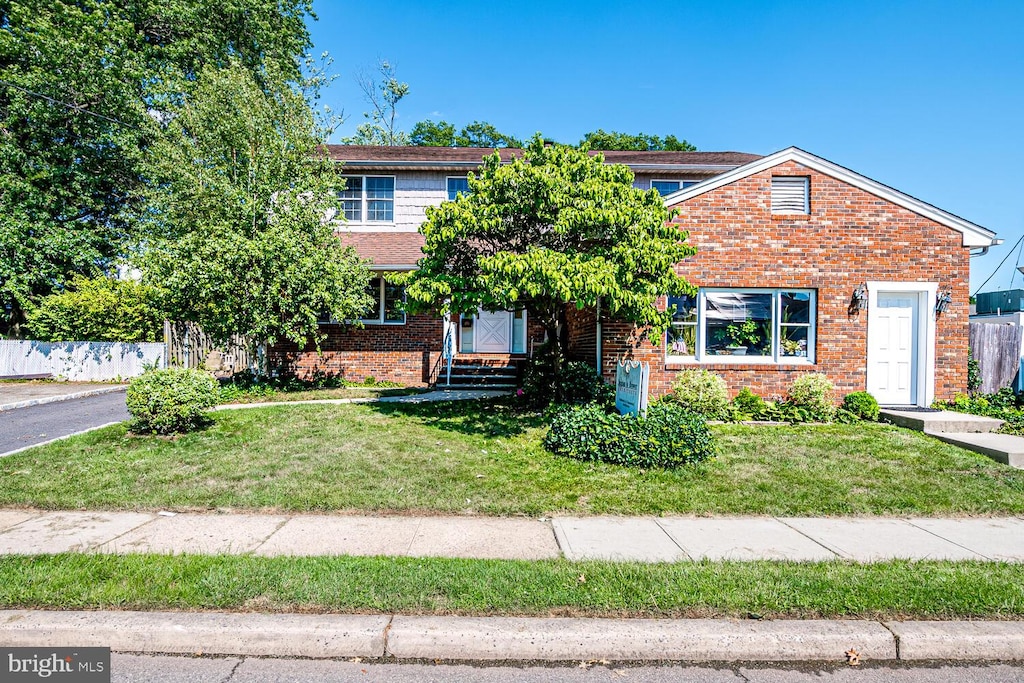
[[895, 341], [493, 332]]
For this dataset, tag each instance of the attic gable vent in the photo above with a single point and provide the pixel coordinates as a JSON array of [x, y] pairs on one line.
[[790, 194]]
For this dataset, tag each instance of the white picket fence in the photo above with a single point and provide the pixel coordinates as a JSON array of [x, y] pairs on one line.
[[79, 361]]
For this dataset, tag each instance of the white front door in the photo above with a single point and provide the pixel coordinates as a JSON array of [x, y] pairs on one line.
[[492, 332], [893, 372]]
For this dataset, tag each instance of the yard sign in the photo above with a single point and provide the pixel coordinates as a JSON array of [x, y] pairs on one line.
[[631, 379]]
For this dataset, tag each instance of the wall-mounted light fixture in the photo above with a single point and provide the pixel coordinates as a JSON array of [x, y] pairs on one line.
[[942, 302], [859, 300]]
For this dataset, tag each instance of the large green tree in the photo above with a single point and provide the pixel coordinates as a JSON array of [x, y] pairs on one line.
[[82, 84], [244, 194], [476, 134], [554, 228], [641, 142]]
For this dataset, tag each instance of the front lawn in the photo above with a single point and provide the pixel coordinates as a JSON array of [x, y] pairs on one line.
[[483, 458], [884, 590]]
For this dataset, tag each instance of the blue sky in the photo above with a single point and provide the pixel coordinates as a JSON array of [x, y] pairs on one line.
[[927, 97]]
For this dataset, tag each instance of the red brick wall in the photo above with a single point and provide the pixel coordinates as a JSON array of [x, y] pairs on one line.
[[849, 237], [399, 353]]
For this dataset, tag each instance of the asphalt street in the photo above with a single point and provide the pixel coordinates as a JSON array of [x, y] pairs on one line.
[[156, 669], [35, 424]]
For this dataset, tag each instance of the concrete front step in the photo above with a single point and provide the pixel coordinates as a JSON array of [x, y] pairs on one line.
[[478, 386], [1004, 448], [944, 421]]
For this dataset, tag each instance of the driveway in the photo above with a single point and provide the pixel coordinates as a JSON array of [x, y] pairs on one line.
[[22, 427]]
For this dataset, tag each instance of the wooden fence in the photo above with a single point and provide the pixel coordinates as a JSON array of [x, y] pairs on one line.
[[997, 348], [189, 347]]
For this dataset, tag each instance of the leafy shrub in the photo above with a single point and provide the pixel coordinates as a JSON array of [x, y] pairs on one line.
[[98, 309], [667, 437], [575, 383], [748, 403], [813, 392], [862, 404], [701, 392], [171, 400]]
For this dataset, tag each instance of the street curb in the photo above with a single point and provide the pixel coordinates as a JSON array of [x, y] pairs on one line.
[[63, 397], [695, 640], [272, 635], [513, 639]]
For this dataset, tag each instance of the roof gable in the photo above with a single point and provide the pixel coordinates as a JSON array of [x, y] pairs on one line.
[[973, 235]]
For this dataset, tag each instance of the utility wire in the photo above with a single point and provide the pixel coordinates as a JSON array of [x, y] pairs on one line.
[[72, 107], [1013, 274], [999, 266]]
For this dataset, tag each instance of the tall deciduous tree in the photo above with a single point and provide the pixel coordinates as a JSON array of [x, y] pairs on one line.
[[641, 142], [554, 228], [246, 193], [382, 91], [80, 81]]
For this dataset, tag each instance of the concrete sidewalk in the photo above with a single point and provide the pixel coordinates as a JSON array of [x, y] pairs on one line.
[[642, 539]]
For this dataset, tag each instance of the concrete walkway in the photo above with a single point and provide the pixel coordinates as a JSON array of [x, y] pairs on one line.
[[641, 539]]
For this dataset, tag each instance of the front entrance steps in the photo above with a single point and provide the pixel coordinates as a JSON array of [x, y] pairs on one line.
[[476, 372], [972, 432]]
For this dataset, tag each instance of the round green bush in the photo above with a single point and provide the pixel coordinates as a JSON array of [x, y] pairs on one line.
[[668, 436], [814, 393], [748, 403], [171, 400], [862, 404], [701, 392]]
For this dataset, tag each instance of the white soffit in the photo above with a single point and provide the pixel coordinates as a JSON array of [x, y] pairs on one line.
[[973, 235]]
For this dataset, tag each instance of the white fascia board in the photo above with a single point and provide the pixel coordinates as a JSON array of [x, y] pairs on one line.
[[973, 235]]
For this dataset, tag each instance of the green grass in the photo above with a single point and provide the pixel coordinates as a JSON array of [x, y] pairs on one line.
[[927, 590], [483, 458]]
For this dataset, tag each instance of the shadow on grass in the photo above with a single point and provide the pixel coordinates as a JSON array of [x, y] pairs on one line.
[[486, 417]]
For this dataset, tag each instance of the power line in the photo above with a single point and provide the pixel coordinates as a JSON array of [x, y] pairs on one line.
[[1008, 253], [72, 107]]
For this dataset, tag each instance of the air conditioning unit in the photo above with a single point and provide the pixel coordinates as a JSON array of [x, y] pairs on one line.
[[1009, 301]]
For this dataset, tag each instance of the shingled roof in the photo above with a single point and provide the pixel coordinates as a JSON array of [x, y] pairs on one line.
[[374, 157], [387, 250]]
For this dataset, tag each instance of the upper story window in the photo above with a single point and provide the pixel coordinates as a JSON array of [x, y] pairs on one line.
[[791, 194], [665, 187], [457, 184], [368, 199], [743, 326], [387, 303]]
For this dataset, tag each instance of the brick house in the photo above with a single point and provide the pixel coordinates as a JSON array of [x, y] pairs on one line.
[[802, 266]]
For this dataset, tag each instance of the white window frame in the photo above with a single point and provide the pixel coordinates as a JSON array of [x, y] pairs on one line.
[[806, 210], [682, 183], [679, 185], [450, 178], [364, 201], [775, 358], [379, 320]]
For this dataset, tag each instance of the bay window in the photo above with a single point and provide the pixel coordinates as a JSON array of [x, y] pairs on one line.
[[743, 325]]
